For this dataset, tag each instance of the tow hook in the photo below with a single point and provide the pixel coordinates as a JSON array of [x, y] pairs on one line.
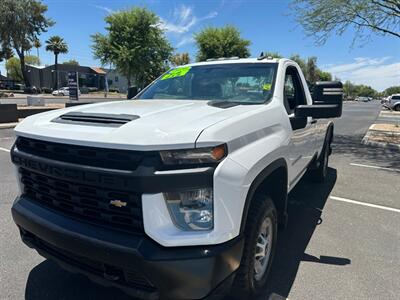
[[111, 273]]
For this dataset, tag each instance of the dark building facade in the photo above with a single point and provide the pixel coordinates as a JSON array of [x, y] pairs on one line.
[[6, 83], [44, 77]]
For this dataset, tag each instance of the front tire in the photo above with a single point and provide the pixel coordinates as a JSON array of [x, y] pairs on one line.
[[260, 243], [397, 107]]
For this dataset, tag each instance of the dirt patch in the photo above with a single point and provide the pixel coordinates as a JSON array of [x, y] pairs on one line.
[[386, 127], [377, 136]]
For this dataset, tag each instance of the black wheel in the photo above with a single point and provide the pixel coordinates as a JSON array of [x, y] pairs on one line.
[[260, 234], [61, 94], [319, 174], [397, 107]]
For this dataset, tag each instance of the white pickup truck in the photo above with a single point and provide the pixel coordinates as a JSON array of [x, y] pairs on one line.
[[177, 193]]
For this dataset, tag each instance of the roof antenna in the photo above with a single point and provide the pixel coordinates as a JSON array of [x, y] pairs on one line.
[[262, 56]]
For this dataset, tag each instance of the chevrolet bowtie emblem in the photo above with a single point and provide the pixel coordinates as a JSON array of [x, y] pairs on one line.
[[118, 203]]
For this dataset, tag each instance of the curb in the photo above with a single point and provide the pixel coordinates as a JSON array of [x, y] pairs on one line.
[[8, 125], [366, 141], [381, 145]]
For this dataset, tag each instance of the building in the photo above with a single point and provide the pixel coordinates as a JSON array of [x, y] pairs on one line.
[[89, 78], [6, 83], [116, 82]]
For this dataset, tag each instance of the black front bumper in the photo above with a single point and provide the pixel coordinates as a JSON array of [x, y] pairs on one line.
[[113, 258]]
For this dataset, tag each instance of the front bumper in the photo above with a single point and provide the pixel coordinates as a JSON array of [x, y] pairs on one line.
[[133, 263]]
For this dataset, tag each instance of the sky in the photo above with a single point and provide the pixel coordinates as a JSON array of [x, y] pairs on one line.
[[268, 24]]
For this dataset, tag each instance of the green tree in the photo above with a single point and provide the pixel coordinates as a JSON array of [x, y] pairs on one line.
[[21, 22], [135, 44], [300, 61], [272, 54], [71, 62], [392, 90], [311, 70], [321, 18], [180, 59], [353, 90], [5, 53], [213, 42], [13, 66], [57, 45], [37, 44], [365, 91], [323, 76]]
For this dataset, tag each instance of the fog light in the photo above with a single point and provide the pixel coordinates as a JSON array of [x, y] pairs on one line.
[[192, 209]]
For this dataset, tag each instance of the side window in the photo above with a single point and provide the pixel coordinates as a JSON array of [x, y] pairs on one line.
[[289, 94], [293, 93]]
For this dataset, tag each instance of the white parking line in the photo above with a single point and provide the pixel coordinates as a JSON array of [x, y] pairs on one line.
[[4, 149], [365, 204], [375, 167]]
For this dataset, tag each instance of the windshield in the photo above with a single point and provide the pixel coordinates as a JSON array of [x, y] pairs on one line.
[[247, 83]]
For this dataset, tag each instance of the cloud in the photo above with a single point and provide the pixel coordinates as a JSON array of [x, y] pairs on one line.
[[185, 41], [375, 72], [104, 8], [184, 20]]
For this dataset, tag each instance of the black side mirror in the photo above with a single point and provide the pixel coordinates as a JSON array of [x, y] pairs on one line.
[[132, 92], [327, 101]]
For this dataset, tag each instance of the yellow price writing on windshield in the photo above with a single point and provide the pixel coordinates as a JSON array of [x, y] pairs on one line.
[[267, 87], [178, 72]]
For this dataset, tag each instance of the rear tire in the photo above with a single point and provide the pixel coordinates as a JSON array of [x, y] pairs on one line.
[[397, 107], [260, 243]]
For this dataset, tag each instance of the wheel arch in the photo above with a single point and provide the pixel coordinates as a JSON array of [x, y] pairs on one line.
[[275, 175]]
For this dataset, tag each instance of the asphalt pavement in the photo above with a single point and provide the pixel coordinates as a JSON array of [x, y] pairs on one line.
[[342, 240]]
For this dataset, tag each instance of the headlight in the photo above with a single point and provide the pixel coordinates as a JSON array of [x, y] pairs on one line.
[[192, 209], [194, 156]]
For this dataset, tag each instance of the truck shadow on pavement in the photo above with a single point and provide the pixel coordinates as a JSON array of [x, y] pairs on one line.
[[350, 145], [48, 281]]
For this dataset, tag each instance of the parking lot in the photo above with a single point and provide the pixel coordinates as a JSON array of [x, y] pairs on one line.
[[342, 240]]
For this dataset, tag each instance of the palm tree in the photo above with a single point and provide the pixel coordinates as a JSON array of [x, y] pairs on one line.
[[57, 45], [37, 44]]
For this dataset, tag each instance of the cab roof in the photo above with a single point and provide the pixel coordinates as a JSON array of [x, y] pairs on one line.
[[219, 61]]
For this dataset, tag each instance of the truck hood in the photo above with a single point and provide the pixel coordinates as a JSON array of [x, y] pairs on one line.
[[160, 124]]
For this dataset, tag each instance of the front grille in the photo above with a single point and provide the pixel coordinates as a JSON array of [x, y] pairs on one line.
[[84, 202], [78, 197], [90, 156]]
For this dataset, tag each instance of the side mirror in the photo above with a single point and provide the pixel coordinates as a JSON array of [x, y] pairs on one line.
[[132, 92], [327, 101]]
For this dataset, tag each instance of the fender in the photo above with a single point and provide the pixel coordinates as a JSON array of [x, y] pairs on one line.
[[329, 131], [279, 163]]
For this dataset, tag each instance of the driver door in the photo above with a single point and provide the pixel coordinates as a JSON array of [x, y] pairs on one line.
[[301, 147]]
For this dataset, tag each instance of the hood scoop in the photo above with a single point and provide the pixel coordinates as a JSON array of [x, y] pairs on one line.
[[95, 119]]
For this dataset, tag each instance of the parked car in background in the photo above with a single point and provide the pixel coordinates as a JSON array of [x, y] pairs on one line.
[[362, 99], [64, 91], [393, 102]]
